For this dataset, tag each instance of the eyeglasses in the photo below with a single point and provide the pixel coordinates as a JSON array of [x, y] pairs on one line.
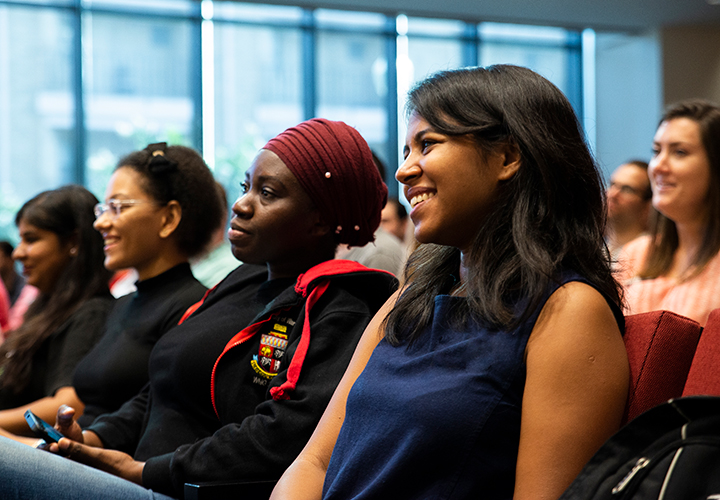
[[115, 207]]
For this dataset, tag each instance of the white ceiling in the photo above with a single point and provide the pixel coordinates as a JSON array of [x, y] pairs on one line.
[[578, 14]]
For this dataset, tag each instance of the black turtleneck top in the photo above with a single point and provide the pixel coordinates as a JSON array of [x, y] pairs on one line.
[[117, 367]]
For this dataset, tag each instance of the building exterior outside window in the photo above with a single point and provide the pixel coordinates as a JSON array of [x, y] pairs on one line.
[[83, 82]]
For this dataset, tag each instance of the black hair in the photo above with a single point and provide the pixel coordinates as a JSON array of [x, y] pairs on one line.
[[400, 210], [380, 165], [647, 194], [6, 248], [179, 173], [222, 199], [548, 217], [67, 212], [663, 232], [638, 163]]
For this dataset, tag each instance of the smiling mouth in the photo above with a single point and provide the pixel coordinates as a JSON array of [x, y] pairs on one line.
[[108, 242], [419, 198], [660, 188]]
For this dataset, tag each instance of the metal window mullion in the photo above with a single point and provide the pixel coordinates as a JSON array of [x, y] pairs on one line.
[[309, 65], [196, 90], [391, 104], [470, 43], [77, 80], [575, 74]]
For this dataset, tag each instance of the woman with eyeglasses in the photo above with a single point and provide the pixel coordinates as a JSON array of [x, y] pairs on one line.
[[677, 266], [160, 208], [62, 257]]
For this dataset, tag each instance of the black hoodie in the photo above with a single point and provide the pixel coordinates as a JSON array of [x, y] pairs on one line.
[[223, 405]]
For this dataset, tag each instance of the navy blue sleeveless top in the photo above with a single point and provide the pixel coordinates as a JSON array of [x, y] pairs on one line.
[[439, 419]]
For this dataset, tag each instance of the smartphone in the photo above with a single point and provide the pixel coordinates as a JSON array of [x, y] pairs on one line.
[[41, 428]]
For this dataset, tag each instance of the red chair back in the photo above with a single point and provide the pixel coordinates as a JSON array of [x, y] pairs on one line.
[[704, 375], [660, 347]]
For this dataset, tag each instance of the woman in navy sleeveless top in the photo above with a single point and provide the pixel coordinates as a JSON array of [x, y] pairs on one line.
[[498, 369]]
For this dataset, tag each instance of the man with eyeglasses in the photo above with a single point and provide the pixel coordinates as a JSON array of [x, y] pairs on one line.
[[628, 204]]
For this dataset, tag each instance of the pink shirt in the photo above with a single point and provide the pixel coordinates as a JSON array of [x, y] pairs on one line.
[[694, 298], [17, 311], [4, 307]]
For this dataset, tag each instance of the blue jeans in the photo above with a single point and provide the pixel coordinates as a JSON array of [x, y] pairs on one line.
[[30, 474]]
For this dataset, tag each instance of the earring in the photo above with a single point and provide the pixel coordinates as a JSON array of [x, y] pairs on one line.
[[73, 251]]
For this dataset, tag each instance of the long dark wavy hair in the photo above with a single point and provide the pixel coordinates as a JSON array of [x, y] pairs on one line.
[[67, 212], [663, 232], [548, 217]]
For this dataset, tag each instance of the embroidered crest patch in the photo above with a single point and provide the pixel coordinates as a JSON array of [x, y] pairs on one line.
[[273, 343]]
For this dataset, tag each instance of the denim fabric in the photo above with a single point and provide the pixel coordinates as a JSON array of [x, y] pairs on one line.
[[30, 474]]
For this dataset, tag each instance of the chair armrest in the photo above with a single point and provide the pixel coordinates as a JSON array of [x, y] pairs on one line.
[[249, 490]]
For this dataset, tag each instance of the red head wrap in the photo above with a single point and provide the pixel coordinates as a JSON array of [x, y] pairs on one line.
[[334, 165]]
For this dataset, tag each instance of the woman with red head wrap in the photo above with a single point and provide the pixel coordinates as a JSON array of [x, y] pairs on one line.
[[334, 165], [237, 388]]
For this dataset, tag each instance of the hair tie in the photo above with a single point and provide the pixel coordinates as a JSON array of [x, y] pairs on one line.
[[159, 164]]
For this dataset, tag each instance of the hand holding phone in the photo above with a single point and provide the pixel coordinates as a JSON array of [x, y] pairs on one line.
[[42, 429]]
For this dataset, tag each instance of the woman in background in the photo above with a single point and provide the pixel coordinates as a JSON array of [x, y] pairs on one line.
[[62, 256], [676, 267], [499, 369]]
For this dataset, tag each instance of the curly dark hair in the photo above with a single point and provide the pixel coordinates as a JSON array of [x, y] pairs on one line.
[[179, 173], [67, 212], [548, 217]]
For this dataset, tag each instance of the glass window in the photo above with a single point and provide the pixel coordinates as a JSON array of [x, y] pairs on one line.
[[550, 62], [430, 55], [523, 33], [352, 20], [424, 52], [254, 13], [434, 27], [257, 93], [542, 49], [138, 87], [150, 66], [182, 7], [43, 2], [37, 107], [351, 83]]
